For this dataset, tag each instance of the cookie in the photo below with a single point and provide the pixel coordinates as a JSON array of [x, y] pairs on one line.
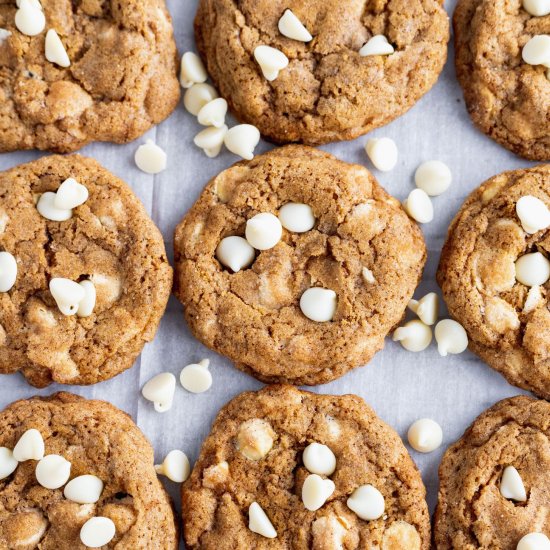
[[257, 452], [486, 290], [476, 507], [505, 96], [362, 256], [109, 241], [122, 77], [328, 91], [98, 440]]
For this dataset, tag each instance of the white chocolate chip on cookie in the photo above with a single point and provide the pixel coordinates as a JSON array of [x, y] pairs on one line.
[[53, 471], [291, 27], [87, 304], [97, 532], [538, 8], [255, 439], [259, 523], [450, 337], [160, 390], [316, 491], [534, 298], [367, 502], [533, 214], [67, 295], [8, 464], [196, 378], [319, 304], [150, 158], [70, 194], [319, 459], [537, 50], [377, 45], [235, 253], [46, 207], [263, 231], [192, 70], [534, 541], [242, 139], [425, 435], [511, 485], [401, 535], [271, 61], [29, 19], [55, 51], [383, 153], [297, 217], [175, 466], [533, 269], [413, 336], [84, 489], [8, 271], [30, 446]]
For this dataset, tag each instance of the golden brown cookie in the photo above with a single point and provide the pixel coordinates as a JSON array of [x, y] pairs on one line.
[[109, 240], [328, 92], [97, 439], [362, 246], [507, 321], [472, 512], [121, 81], [508, 99], [254, 453]]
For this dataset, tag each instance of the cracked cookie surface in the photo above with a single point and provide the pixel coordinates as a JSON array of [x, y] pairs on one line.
[[478, 278], [471, 512], [508, 99], [122, 79], [224, 481], [110, 240], [328, 92], [98, 439], [253, 316]]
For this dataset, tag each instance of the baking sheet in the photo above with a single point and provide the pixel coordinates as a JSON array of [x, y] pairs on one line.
[[399, 385]]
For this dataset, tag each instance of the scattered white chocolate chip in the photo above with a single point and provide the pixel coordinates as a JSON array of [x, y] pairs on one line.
[[46, 207], [55, 51], [532, 269], [534, 297], [196, 378], [413, 336], [450, 337], [70, 194], [271, 61], [538, 8], [53, 471], [367, 502], [383, 153], [255, 439], [533, 214], [84, 489], [87, 304], [8, 271], [297, 217], [160, 390], [242, 140], [29, 19], [319, 459], [211, 140], [316, 491], [213, 113], [263, 231], [198, 96], [235, 253], [192, 70], [175, 466], [291, 27], [434, 177], [426, 308], [319, 304], [67, 295], [425, 435], [419, 206], [537, 50], [8, 464], [368, 276], [377, 45], [29, 447], [150, 158], [259, 523], [97, 532], [534, 541], [511, 485]]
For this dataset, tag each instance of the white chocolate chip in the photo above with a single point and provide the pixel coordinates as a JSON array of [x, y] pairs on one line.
[[401, 535], [175, 466], [259, 523], [263, 231], [425, 435], [8, 271], [297, 217], [160, 390], [426, 308], [53, 471], [537, 50], [29, 19], [36, 4], [433, 177], [367, 502], [511, 485], [271, 61], [70, 194], [413, 336], [242, 139], [97, 532], [46, 207], [382, 153], [8, 464], [255, 439], [192, 70], [534, 541], [291, 27], [419, 206], [534, 298], [67, 295], [87, 304], [213, 113], [84, 489], [235, 253], [55, 51], [377, 45], [316, 491], [196, 378], [198, 96], [319, 459], [329, 533], [533, 214], [4, 35], [150, 158], [368, 276], [533, 269], [450, 337], [29, 447], [211, 140], [538, 8], [319, 304]]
